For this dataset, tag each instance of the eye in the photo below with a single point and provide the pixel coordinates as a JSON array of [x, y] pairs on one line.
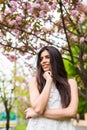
[[48, 57], [41, 58]]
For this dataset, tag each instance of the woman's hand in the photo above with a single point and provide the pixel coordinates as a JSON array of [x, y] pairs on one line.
[[48, 75], [29, 112]]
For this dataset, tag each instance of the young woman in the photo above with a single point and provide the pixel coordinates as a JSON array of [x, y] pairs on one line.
[[54, 97]]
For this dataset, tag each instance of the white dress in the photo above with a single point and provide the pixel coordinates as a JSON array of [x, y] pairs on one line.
[[42, 123]]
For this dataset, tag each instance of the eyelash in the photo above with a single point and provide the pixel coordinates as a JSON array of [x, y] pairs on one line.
[[46, 57]]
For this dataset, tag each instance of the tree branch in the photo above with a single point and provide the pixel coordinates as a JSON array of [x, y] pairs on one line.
[[64, 27]]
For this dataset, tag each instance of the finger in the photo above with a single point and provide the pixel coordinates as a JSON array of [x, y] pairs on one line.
[[26, 111], [27, 117], [50, 73]]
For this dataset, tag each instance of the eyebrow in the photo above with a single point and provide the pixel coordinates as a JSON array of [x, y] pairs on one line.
[[45, 55]]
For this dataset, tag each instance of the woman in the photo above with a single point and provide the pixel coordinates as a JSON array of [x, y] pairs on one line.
[[54, 98]]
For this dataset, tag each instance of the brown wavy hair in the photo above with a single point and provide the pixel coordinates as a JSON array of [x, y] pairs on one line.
[[58, 72]]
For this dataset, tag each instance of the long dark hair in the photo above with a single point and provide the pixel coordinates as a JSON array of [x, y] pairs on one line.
[[59, 74]]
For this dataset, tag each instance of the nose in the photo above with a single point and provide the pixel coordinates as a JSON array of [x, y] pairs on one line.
[[43, 60]]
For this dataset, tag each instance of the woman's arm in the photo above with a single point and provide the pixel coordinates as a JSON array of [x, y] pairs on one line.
[[71, 110], [39, 100], [29, 112]]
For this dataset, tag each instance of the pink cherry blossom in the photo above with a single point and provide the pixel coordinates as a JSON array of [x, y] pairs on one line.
[[45, 7], [61, 31], [1, 35], [67, 1], [11, 22], [16, 33], [79, 6], [7, 12], [74, 13], [44, 29], [29, 57], [1, 18], [85, 9], [12, 58], [53, 6], [81, 18], [9, 43], [42, 13], [75, 38], [26, 14], [27, 5], [85, 56], [82, 39], [36, 5], [13, 5], [19, 19], [39, 1]]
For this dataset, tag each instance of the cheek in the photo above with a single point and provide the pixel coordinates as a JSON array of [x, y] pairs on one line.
[[49, 62], [50, 65], [40, 63]]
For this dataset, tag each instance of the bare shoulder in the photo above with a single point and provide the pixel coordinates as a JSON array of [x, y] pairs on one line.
[[32, 79], [72, 80], [32, 82], [73, 83]]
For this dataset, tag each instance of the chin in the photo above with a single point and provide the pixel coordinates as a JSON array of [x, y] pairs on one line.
[[46, 70]]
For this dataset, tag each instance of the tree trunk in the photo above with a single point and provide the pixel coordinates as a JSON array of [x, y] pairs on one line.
[[83, 76], [7, 115], [7, 119]]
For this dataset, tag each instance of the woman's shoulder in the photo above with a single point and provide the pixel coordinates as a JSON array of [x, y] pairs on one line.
[[32, 79], [32, 83], [72, 82]]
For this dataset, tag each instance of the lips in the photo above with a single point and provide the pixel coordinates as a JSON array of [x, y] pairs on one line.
[[45, 67]]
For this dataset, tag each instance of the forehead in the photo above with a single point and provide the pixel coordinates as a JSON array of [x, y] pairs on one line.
[[44, 53]]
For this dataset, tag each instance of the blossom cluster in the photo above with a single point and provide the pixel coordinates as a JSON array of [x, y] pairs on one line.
[[26, 21]]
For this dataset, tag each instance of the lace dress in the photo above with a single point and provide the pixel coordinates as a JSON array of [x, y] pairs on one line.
[[42, 123]]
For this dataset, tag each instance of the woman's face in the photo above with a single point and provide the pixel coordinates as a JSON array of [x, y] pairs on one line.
[[45, 61]]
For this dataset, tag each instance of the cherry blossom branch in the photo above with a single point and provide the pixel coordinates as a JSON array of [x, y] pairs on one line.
[[60, 3]]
